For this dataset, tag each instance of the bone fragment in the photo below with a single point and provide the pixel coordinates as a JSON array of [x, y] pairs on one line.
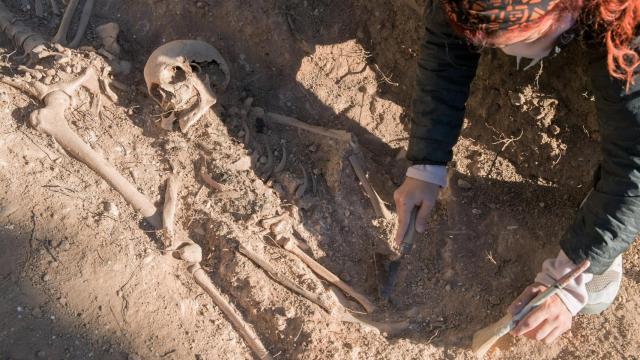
[[207, 100], [283, 161], [379, 207], [214, 185], [304, 186], [82, 25], [246, 330], [290, 246], [61, 36], [190, 252], [169, 211], [319, 300], [108, 34], [289, 121]]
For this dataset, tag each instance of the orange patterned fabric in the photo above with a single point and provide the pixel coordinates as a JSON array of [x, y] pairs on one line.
[[494, 15]]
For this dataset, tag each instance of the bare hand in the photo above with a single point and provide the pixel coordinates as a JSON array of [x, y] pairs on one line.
[[410, 194], [544, 323]]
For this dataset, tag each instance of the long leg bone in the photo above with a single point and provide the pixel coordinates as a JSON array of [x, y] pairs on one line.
[[169, 211], [314, 298], [82, 25], [246, 330], [51, 121], [289, 121], [61, 36], [290, 246]]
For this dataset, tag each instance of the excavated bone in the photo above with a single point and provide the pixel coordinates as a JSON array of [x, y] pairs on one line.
[[51, 121], [174, 76], [108, 34]]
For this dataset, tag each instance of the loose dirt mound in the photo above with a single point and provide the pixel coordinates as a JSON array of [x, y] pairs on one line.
[[84, 277]]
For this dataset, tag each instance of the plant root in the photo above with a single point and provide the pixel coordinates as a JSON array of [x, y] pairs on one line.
[[246, 330]]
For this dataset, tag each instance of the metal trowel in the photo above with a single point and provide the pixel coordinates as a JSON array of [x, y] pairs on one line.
[[392, 267]]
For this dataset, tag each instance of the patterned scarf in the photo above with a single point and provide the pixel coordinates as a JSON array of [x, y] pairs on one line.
[[494, 15]]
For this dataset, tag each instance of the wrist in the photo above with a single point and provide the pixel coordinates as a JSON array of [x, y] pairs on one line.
[[434, 174]]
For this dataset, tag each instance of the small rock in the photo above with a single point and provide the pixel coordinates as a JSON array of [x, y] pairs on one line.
[[262, 160], [50, 72], [191, 253], [77, 68], [517, 99], [68, 69], [45, 277], [476, 211], [63, 301], [41, 354], [243, 164], [464, 184], [111, 209], [541, 204], [555, 130], [48, 80], [448, 287]]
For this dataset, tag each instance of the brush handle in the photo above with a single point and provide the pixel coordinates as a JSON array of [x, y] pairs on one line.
[[543, 296]]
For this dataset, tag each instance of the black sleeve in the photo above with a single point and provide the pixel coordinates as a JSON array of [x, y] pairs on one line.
[[608, 220], [446, 67]]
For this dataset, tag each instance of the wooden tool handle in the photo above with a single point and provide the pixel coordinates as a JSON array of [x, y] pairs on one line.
[[542, 297]]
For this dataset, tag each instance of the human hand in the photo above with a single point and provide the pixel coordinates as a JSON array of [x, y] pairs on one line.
[[544, 323], [412, 193]]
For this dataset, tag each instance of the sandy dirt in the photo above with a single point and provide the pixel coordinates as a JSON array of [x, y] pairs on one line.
[[83, 276]]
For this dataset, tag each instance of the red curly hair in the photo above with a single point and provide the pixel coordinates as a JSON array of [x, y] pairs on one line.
[[614, 20]]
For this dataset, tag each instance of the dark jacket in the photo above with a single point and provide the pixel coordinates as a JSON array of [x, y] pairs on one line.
[[608, 221]]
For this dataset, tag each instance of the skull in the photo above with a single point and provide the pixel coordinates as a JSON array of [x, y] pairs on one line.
[[181, 76]]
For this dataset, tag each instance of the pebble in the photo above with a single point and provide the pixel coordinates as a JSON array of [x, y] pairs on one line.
[[517, 99], [68, 69], [41, 354], [48, 80], [45, 277], [111, 209], [448, 287], [50, 72], [555, 129], [37, 312], [464, 184], [77, 68], [476, 211]]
